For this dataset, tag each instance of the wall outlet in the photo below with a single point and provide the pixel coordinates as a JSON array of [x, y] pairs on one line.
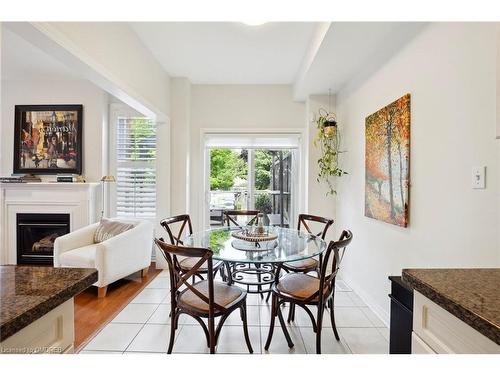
[[479, 177]]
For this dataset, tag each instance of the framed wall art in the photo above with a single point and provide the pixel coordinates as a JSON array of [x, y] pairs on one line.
[[48, 139], [387, 163]]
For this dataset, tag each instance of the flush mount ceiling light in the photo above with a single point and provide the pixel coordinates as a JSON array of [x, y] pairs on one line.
[[253, 23]]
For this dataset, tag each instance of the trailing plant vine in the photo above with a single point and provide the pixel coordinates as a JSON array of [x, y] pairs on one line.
[[328, 140]]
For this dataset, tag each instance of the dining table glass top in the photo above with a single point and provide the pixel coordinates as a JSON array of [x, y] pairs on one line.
[[288, 246]]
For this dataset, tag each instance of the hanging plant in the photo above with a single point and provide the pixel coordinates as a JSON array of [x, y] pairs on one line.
[[328, 140]]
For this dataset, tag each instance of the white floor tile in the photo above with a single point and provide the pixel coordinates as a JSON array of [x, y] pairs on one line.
[[135, 313], [191, 339], [151, 296], [342, 286], [360, 329], [163, 274], [342, 299], [344, 317], [278, 342], [166, 300], [265, 314], [329, 344], [356, 299], [302, 318], [114, 337], [151, 338], [384, 331], [365, 340], [159, 283], [376, 321], [252, 317], [232, 340], [254, 299], [161, 315], [348, 317]]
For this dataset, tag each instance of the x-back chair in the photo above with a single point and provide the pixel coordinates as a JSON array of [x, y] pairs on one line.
[[311, 264], [181, 224], [306, 290], [231, 217], [203, 299]]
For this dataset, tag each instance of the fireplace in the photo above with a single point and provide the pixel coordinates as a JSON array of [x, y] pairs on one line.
[[36, 234]]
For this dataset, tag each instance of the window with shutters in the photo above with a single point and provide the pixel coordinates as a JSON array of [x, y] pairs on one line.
[[135, 167]]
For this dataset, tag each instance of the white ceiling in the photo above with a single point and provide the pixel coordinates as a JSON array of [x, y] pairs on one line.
[[350, 51], [313, 57], [23, 61], [228, 52]]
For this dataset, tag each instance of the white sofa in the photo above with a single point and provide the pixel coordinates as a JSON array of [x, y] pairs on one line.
[[114, 259]]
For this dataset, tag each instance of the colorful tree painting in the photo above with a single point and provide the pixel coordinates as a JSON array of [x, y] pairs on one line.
[[387, 161]]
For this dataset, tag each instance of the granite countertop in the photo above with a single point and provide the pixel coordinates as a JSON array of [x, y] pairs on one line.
[[471, 294], [29, 292]]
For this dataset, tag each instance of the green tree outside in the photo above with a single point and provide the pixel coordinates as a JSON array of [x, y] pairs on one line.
[[225, 166], [263, 161]]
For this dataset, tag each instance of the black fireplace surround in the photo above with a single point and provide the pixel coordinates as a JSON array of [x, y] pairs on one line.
[[36, 234]]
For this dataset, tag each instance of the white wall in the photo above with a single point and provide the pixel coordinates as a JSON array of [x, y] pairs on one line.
[[318, 202], [180, 116], [95, 113], [250, 107], [449, 70]]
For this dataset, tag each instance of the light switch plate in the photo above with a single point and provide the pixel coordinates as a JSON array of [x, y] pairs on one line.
[[479, 177]]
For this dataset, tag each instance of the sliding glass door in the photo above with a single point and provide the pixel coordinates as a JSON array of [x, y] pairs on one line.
[[252, 178]]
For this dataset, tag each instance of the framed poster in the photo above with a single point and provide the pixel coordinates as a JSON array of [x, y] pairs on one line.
[[387, 163], [48, 139]]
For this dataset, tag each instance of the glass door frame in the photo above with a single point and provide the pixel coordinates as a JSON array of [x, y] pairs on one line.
[[299, 165]]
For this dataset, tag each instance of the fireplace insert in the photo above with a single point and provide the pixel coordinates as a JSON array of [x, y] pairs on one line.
[[36, 234]]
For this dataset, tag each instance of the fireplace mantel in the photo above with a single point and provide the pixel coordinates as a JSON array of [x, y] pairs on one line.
[[80, 200]]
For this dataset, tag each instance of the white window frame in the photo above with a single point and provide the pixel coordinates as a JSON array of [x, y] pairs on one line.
[[299, 201], [117, 110]]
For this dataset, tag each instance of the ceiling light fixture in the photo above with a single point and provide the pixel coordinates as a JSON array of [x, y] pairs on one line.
[[254, 23]]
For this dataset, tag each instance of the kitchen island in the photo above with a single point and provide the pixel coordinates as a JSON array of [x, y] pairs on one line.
[[455, 310], [36, 307]]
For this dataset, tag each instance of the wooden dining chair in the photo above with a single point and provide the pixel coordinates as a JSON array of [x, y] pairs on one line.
[[310, 264], [178, 227], [203, 299], [306, 221], [306, 290], [231, 217]]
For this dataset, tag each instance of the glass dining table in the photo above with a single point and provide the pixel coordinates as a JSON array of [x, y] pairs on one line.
[[256, 265]]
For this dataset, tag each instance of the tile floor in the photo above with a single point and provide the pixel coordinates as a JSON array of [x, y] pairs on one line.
[[143, 326]]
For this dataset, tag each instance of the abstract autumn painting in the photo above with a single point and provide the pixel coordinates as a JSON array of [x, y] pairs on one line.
[[387, 162]]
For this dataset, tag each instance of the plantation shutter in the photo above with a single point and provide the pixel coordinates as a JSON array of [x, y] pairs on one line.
[[135, 167]]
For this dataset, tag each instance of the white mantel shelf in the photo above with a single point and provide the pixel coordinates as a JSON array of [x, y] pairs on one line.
[[81, 200], [31, 185]]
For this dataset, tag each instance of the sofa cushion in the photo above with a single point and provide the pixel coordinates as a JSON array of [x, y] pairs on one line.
[[110, 228], [83, 257]]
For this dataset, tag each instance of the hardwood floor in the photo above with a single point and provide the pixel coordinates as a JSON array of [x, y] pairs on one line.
[[92, 313]]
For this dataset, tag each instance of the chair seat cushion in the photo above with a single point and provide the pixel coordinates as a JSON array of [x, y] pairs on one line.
[[187, 263], [224, 295], [81, 257], [298, 285], [302, 265]]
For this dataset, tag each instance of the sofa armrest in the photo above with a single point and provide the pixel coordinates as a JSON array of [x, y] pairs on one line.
[[73, 240], [125, 253]]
